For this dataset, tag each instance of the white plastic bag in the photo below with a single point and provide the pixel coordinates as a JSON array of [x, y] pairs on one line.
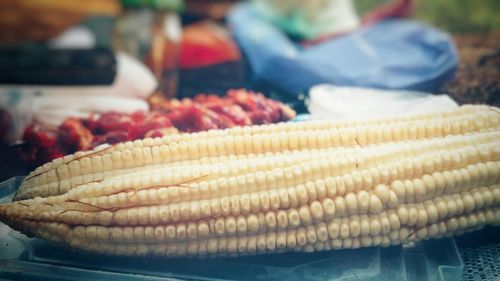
[[329, 101]]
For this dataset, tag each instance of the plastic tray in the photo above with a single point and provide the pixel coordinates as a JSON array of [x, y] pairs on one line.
[[26, 258]]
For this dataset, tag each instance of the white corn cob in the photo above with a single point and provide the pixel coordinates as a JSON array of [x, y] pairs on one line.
[[308, 187], [104, 162]]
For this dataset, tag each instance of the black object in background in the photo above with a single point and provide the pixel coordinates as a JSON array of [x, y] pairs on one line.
[[11, 164], [212, 79], [39, 65]]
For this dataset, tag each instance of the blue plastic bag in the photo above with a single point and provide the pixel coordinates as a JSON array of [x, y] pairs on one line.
[[393, 54]]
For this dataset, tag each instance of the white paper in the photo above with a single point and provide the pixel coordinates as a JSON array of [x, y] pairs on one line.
[[329, 101]]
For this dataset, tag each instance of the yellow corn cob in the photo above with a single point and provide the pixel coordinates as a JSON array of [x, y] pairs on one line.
[[307, 187]]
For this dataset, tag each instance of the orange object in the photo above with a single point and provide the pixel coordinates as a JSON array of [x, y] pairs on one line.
[[35, 20]]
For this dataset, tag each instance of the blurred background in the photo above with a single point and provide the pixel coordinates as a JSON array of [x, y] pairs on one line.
[[76, 75], [468, 16], [475, 27]]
